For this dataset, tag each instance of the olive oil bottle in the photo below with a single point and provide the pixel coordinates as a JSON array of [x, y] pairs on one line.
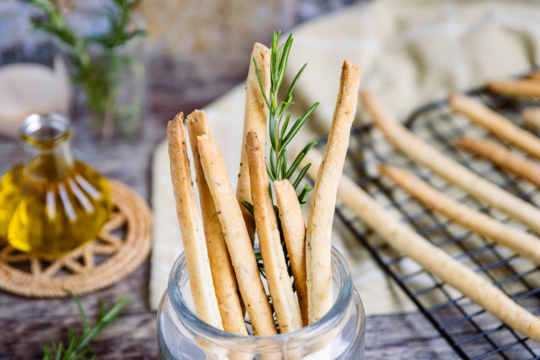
[[51, 204]]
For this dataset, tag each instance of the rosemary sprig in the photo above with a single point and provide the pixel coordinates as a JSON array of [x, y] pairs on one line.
[[77, 344], [280, 134]]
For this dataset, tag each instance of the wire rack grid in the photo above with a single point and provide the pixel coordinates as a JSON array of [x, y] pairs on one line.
[[471, 331]]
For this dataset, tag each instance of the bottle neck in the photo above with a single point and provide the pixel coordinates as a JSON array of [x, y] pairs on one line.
[[45, 140]]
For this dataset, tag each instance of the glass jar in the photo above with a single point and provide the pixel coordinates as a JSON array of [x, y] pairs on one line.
[[51, 204], [109, 108], [338, 335]]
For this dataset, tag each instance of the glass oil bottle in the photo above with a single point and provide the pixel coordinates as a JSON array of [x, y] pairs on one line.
[[51, 204]]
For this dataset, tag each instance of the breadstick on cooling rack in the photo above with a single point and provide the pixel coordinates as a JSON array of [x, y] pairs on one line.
[[223, 275], [502, 157], [255, 116], [279, 282], [449, 169], [323, 200], [526, 87], [433, 259], [198, 265], [534, 75], [236, 237], [294, 231], [495, 123], [519, 241], [531, 117]]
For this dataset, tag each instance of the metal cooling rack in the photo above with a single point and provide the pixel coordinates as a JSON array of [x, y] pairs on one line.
[[470, 330]]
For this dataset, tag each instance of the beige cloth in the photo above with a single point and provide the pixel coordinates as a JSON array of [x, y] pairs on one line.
[[410, 52]]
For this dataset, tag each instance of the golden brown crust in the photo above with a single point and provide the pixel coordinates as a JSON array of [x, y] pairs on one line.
[[294, 231], [321, 211], [223, 276], [236, 237], [447, 168], [495, 123], [432, 258], [531, 117], [255, 117], [515, 87], [519, 241], [534, 75], [502, 157], [279, 282], [198, 265]]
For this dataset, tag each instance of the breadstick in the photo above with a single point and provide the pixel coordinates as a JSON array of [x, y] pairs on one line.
[[495, 123], [223, 276], [449, 169], [502, 157], [519, 241], [534, 75], [236, 237], [322, 207], [515, 87], [198, 265], [294, 231], [279, 283], [531, 117], [255, 116], [432, 258]]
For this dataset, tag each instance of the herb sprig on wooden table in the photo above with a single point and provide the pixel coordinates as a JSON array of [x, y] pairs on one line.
[[76, 348]]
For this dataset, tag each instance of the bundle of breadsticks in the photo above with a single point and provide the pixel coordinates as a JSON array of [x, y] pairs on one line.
[[226, 277]]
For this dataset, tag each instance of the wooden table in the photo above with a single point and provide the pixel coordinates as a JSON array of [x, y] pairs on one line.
[[25, 323]]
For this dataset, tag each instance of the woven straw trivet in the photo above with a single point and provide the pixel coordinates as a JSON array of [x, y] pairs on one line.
[[122, 245]]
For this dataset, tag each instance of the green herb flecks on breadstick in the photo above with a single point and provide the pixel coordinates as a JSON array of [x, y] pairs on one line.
[[191, 227], [223, 275], [236, 237]]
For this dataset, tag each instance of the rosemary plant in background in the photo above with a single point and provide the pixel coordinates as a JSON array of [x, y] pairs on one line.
[[77, 347], [281, 135], [96, 61]]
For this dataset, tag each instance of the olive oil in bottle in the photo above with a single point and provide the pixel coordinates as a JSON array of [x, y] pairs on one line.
[[51, 204]]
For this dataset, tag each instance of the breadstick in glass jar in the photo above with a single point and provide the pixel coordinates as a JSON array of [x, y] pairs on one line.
[[236, 237], [323, 200], [279, 282], [294, 231], [255, 117], [191, 227], [223, 275]]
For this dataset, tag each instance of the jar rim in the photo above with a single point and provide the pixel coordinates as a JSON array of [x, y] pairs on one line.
[[325, 324]]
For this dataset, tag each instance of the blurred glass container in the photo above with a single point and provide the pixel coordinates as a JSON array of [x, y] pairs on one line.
[[338, 335], [19, 43], [51, 204], [105, 123]]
